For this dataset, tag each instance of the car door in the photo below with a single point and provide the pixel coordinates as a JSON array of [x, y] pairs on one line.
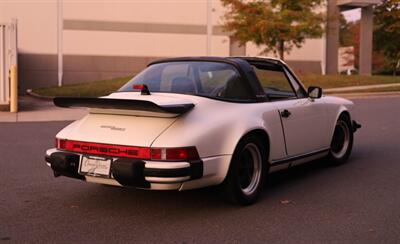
[[303, 120], [304, 125]]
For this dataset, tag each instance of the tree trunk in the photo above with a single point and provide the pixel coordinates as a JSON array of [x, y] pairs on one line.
[[282, 49]]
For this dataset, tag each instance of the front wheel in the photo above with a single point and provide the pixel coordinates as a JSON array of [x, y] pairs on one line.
[[342, 141], [247, 171]]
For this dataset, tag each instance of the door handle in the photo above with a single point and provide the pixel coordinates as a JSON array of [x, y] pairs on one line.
[[285, 113]]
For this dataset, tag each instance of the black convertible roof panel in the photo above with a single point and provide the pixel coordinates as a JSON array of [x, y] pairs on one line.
[[242, 64]]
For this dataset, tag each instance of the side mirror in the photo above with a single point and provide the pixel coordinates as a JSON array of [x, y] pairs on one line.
[[314, 92]]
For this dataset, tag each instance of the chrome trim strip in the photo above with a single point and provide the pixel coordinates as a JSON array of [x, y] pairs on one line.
[[166, 179], [158, 186], [50, 151], [166, 165]]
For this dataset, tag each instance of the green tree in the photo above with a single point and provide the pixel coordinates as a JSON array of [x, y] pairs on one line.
[[387, 31], [349, 35], [345, 35], [278, 25]]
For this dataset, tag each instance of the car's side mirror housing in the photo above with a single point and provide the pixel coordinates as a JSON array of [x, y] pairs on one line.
[[314, 92]]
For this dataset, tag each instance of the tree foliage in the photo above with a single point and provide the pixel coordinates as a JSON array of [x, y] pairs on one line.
[[277, 25], [387, 31], [345, 32], [349, 35]]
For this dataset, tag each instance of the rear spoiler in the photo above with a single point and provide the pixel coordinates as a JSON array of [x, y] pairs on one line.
[[122, 104]]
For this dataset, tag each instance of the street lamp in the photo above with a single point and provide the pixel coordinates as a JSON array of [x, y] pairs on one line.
[[60, 27], [209, 27]]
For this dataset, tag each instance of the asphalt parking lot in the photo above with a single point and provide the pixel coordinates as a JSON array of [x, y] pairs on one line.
[[358, 202]]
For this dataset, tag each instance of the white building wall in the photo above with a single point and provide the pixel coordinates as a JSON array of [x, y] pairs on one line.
[[311, 50], [179, 12], [89, 54], [37, 24]]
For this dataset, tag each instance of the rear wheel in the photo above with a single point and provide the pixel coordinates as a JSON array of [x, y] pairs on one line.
[[245, 178], [342, 141]]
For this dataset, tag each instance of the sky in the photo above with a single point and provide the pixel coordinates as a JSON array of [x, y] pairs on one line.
[[352, 15]]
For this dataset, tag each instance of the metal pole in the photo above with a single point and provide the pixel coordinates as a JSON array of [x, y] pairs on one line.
[[3, 87], [209, 26], [323, 56], [60, 27], [13, 89]]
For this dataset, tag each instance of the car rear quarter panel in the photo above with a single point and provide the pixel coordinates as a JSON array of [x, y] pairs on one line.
[[215, 127]]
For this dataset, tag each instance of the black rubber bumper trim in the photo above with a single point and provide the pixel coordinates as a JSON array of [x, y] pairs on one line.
[[47, 158], [65, 164], [129, 172], [181, 172], [196, 169]]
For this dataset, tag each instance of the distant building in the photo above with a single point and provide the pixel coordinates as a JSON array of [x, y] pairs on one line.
[[102, 39]]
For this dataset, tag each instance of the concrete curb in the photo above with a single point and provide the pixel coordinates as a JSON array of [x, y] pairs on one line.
[[360, 88], [365, 94]]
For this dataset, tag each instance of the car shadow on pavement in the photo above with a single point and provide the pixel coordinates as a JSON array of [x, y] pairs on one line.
[[28, 103], [296, 173], [207, 199]]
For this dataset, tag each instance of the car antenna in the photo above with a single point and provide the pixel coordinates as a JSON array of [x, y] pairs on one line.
[[144, 90]]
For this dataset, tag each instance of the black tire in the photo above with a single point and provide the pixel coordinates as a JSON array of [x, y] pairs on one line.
[[342, 141], [246, 174]]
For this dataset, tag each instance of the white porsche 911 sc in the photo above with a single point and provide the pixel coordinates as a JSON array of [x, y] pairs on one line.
[[186, 123]]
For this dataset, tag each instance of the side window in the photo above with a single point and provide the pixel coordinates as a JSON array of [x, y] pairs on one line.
[[274, 82], [298, 89], [223, 81], [211, 79]]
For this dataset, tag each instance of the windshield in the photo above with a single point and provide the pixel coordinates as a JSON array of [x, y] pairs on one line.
[[211, 79]]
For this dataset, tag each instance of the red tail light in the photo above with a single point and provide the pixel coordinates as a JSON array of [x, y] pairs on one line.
[[175, 154], [104, 149], [60, 143], [158, 154]]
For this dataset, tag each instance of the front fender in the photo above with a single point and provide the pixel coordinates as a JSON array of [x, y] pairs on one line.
[[335, 107]]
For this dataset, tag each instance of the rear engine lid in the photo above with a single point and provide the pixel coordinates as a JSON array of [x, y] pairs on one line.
[[124, 118], [116, 129]]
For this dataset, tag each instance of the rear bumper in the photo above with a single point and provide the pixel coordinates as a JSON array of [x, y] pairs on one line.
[[144, 174]]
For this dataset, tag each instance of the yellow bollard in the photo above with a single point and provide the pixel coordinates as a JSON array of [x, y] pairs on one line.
[[13, 89]]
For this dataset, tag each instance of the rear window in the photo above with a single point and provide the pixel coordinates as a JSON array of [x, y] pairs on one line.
[[210, 79]]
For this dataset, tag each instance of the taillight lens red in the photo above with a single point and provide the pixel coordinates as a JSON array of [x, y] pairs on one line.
[[60, 143], [158, 154], [175, 154], [104, 149]]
